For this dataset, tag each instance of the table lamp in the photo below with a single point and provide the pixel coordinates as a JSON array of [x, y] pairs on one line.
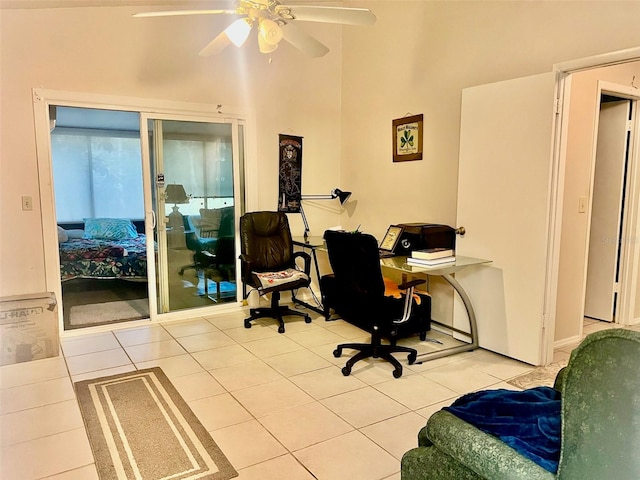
[[335, 193], [175, 194]]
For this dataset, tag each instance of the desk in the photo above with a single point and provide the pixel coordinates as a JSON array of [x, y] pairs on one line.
[[313, 244], [400, 264], [446, 272]]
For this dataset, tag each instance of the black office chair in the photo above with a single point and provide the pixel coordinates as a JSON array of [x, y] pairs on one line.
[[202, 239], [358, 288], [268, 263]]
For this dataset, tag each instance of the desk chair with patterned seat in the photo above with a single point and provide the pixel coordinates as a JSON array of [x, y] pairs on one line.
[[268, 264], [358, 290]]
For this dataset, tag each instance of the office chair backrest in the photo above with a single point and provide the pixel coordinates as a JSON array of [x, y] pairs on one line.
[[266, 240], [355, 261]]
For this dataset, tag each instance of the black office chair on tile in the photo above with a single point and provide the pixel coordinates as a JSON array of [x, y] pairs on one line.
[[268, 264], [358, 289]]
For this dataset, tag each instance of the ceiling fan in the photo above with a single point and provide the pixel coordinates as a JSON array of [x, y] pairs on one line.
[[275, 22]]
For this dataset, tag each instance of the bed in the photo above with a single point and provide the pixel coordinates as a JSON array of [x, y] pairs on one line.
[[104, 249]]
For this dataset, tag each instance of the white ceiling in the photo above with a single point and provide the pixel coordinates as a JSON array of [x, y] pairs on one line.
[[17, 4], [14, 4]]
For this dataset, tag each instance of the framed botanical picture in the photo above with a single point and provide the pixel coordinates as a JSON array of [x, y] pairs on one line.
[[407, 138]]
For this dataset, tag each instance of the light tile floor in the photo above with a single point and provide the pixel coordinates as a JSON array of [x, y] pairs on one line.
[[277, 405]]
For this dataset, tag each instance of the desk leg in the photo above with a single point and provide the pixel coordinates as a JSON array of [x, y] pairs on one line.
[[473, 330], [319, 308]]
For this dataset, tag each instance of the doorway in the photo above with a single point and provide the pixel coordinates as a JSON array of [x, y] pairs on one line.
[[608, 207]]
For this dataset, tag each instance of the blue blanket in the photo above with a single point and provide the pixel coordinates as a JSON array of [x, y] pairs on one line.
[[528, 420]]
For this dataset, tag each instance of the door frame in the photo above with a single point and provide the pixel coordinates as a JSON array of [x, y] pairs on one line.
[[563, 71], [44, 98], [629, 250]]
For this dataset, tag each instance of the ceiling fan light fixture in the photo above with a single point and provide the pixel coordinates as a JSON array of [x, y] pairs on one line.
[[274, 22], [266, 47], [270, 31], [238, 31]]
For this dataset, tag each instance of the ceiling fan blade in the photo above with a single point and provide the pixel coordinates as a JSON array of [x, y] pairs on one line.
[[171, 13], [342, 15], [303, 41], [216, 45]]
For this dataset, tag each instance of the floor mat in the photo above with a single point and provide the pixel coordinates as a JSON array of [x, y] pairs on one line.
[[140, 428]]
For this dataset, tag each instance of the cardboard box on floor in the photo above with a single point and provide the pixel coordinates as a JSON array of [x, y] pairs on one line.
[[28, 328]]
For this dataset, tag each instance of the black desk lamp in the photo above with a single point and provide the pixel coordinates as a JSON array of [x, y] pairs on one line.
[[335, 193]]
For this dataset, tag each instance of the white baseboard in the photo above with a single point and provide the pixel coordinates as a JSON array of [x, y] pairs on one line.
[[566, 342]]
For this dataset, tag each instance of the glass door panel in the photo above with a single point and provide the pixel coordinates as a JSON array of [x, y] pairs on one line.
[[193, 199]]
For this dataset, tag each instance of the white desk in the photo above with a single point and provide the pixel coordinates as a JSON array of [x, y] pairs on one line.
[[445, 271]]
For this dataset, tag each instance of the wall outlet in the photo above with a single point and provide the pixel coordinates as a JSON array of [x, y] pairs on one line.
[[27, 203], [582, 205]]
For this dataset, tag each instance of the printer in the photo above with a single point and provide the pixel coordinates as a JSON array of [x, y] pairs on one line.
[[420, 236]]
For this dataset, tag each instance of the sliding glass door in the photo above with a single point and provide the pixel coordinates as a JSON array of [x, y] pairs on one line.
[[192, 202], [99, 208]]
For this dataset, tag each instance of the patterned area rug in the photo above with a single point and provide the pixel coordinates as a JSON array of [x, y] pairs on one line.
[[140, 428], [540, 377]]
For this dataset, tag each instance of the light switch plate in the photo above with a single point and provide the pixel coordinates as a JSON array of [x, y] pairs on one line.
[[582, 204], [27, 203]]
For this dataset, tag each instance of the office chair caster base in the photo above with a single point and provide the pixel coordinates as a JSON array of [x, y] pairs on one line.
[[247, 323], [307, 319], [337, 352], [423, 336], [397, 373], [281, 329], [346, 371], [412, 358]]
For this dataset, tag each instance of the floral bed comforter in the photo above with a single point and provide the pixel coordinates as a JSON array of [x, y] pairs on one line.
[[84, 258]]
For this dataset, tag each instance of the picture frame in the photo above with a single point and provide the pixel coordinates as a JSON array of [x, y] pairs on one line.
[[407, 138], [391, 238]]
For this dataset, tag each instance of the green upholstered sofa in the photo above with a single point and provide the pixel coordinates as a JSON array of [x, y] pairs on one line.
[[600, 418]]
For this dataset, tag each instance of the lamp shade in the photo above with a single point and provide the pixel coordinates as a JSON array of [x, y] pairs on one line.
[[342, 196], [175, 193], [266, 47], [270, 31], [238, 31]]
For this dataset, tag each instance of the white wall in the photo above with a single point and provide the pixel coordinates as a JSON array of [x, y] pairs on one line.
[[416, 59], [106, 51]]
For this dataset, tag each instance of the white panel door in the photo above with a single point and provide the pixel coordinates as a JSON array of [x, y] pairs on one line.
[[506, 136], [606, 206]]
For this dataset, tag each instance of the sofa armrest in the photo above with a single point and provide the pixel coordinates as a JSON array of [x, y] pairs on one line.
[[480, 452], [557, 385], [423, 438]]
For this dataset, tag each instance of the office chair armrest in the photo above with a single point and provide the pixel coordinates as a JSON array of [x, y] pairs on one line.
[[307, 260], [246, 266], [411, 284], [408, 299]]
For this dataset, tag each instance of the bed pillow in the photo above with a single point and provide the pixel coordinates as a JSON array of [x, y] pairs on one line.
[[62, 235], [109, 228]]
